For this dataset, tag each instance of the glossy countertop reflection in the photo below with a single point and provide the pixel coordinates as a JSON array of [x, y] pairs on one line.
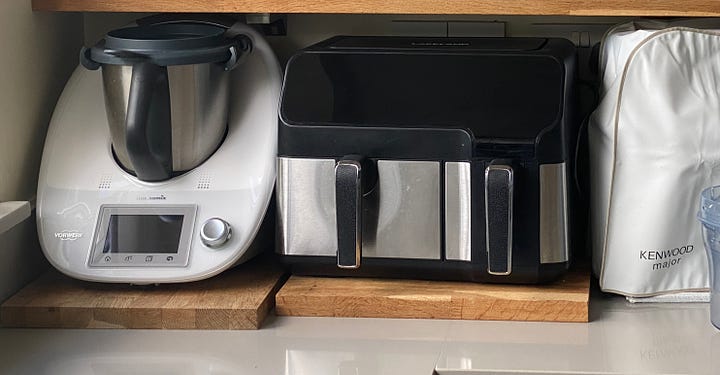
[[621, 339]]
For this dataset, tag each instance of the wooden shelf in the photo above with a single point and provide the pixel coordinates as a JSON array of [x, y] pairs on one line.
[[656, 8], [239, 298], [565, 300]]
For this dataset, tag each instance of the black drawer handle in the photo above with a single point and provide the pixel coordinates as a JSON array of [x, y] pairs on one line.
[[498, 217], [348, 209]]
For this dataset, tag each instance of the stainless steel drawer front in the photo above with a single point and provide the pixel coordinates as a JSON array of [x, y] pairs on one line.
[[306, 206], [458, 226], [408, 211], [401, 216], [554, 244]]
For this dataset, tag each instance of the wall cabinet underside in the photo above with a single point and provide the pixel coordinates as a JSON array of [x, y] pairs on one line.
[[653, 8]]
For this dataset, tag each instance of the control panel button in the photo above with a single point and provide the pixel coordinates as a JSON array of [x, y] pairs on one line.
[[215, 232]]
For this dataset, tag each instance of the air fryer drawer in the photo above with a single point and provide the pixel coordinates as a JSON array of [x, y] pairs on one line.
[[401, 215]]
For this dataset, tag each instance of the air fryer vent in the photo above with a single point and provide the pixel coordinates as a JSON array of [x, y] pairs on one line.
[[204, 182], [105, 182]]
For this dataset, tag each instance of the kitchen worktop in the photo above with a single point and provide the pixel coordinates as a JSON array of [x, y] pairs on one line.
[[620, 339]]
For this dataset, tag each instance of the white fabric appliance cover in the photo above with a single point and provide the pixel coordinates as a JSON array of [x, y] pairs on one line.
[[654, 143]]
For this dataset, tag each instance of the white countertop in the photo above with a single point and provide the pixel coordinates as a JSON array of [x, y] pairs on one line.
[[621, 339]]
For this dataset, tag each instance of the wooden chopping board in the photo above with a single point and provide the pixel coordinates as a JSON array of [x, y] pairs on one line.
[[565, 300], [239, 298]]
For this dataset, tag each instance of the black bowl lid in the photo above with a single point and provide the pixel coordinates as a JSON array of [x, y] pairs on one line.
[[164, 44]]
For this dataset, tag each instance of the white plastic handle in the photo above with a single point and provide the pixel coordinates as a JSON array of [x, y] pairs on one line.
[[13, 213]]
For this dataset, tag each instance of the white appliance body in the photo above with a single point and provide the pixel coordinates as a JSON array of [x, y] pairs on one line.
[[653, 148], [81, 188]]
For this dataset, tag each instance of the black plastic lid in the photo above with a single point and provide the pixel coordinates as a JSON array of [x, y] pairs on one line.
[[491, 95], [165, 44], [430, 99]]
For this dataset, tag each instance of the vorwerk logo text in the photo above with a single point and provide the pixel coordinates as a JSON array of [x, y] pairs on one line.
[[160, 197], [68, 235]]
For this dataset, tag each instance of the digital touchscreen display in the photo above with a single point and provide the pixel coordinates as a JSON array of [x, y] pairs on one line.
[[143, 234]]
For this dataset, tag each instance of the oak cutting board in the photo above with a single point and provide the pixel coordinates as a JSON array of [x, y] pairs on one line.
[[565, 300], [239, 298]]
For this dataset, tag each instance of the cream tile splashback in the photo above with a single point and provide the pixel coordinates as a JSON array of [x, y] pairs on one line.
[[39, 50]]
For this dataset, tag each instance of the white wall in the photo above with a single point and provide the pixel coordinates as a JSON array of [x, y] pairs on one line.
[[37, 54], [306, 29]]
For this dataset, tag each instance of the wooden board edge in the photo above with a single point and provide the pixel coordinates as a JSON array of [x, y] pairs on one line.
[[636, 8], [268, 305], [289, 307], [15, 315], [308, 296]]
